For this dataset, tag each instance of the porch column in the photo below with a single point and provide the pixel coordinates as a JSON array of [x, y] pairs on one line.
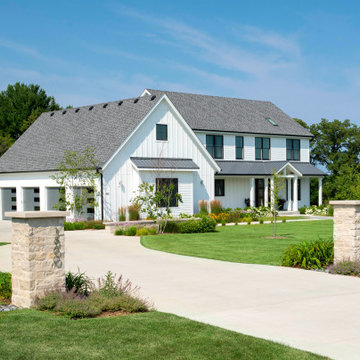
[[320, 191], [272, 192], [295, 204], [289, 194], [266, 192], [252, 192], [43, 198], [19, 198]]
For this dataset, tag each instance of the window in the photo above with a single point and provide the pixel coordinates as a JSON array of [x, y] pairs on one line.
[[13, 207], [262, 148], [215, 146], [219, 187], [239, 146], [161, 132], [36, 190], [293, 149], [271, 121], [13, 190], [164, 182]]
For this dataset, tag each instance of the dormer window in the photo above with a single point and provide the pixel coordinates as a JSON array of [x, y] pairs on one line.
[[161, 132]]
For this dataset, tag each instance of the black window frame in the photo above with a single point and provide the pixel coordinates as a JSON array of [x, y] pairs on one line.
[[239, 147], [167, 181], [260, 149], [293, 153], [212, 145], [220, 185], [160, 134]]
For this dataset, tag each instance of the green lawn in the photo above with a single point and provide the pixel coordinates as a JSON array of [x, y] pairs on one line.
[[30, 334], [242, 243]]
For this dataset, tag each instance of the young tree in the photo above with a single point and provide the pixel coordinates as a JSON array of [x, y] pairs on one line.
[[77, 170], [278, 184], [156, 201]]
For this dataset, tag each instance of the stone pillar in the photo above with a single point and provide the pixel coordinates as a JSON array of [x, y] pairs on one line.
[[266, 192], [37, 254], [252, 192], [320, 191], [346, 230]]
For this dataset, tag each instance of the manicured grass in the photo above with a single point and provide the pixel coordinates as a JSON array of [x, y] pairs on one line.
[[4, 243], [243, 243], [30, 334]]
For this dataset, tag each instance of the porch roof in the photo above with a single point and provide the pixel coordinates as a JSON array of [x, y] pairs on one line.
[[243, 168], [164, 163]]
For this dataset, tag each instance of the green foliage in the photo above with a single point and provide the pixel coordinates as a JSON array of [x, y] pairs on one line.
[[215, 206], [336, 146], [5, 286], [155, 201], [134, 212], [112, 294], [119, 232], [171, 227], [204, 207], [20, 106], [78, 175], [122, 213], [309, 255], [302, 210], [346, 267], [205, 224], [146, 231], [83, 225], [77, 282], [129, 231]]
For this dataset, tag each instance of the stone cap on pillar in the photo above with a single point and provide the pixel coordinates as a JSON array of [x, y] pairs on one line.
[[345, 202], [36, 214]]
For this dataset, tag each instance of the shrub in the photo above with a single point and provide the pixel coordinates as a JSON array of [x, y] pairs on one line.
[[70, 226], [330, 210], [309, 255], [261, 221], [321, 210], [145, 231], [284, 220], [346, 267], [185, 216], [203, 207], [122, 213], [134, 212], [152, 231], [215, 206], [302, 210], [205, 224], [94, 224], [220, 218], [112, 294], [130, 231], [119, 232], [249, 222], [5, 286], [171, 227], [77, 282]]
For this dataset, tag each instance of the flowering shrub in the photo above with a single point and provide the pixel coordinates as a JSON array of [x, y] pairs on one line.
[[262, 211], [346, 267], [220, 218], [317, 210]]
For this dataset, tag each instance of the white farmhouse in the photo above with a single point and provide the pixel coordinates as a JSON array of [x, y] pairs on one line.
[[210, 147]]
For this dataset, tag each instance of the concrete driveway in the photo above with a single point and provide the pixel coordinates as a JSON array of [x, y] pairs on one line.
[[308, 310]]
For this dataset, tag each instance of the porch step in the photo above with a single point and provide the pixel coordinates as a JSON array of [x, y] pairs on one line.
[[289, 213]]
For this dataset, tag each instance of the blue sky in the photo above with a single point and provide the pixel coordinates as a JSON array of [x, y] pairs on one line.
[[302, 55]]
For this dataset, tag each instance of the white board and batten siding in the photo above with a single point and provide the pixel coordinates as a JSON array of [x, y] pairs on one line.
[[121, 178], [237, 189], [278, 146]]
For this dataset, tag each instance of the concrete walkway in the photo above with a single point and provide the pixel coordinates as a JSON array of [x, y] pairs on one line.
[[308, 310]]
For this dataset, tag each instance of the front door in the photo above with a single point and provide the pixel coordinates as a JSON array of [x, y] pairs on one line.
[[259, 192]]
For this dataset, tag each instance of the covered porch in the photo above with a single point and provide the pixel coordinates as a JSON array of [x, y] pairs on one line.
[[242, 189]]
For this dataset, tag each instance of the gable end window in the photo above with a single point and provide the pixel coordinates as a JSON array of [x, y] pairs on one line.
[[239, 147], [215, 146], [161, 132], [262, 148], [166, 182], [293, 149], [219, 187]]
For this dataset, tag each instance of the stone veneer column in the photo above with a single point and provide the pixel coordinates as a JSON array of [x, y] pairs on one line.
[[37, 254], [346, 230]]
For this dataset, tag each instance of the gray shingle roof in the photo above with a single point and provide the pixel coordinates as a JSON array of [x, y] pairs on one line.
[[43, 145], [163, 163], [204, 112], [241, 167]]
